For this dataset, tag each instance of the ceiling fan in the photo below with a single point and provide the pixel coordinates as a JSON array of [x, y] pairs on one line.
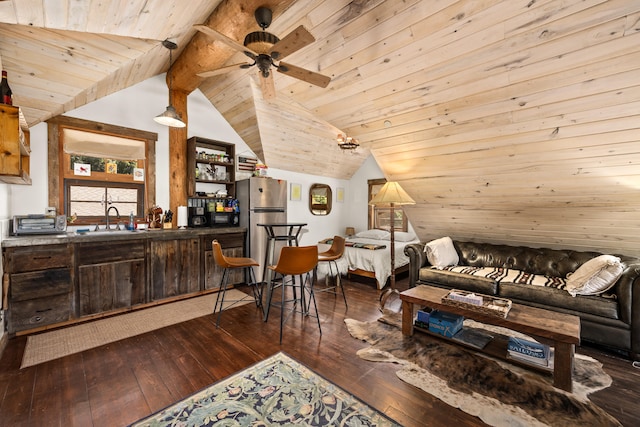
[[264, 48]]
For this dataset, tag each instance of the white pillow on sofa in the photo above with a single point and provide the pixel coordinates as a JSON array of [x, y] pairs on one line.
[[441, 253], [374, 233], [595, 276]]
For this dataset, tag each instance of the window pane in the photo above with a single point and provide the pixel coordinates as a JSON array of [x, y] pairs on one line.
[[122, 195], [121, 167], [86, 208], [88, 201]]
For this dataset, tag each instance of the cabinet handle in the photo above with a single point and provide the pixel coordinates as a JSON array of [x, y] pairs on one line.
[[43, 311], [42, 257]]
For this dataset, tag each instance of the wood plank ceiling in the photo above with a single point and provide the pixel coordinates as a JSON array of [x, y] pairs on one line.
[[506, 120]]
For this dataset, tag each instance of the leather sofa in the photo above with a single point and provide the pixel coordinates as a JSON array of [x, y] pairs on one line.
[[610, 320]]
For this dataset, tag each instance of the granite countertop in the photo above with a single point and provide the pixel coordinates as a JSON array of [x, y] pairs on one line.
[[101, 236]]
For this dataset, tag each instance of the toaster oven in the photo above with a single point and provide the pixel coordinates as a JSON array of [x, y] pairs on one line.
[[38, 224]]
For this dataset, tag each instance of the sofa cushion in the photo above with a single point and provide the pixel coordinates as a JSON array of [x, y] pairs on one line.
[[556, 297], [457, 280], [524, 278], [595, 276], [441, 252]]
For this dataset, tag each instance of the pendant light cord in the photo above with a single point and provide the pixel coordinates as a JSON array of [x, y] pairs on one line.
[[170, 78]]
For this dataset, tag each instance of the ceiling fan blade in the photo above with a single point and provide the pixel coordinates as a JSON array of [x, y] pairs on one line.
[[224, 39], [222, 70], [304, 75], [267, 86], [295, 40]]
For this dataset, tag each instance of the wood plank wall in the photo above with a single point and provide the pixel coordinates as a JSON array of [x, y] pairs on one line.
[[508, 121]]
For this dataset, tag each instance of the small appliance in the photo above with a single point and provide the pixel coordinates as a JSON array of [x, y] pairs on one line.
[[39, 224]]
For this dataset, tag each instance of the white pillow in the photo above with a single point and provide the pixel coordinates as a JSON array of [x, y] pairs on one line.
[[374, 233], [404, 236], [595, 276], [441, 253]]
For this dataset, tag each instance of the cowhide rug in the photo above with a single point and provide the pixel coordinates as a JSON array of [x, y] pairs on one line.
[[497, 392]]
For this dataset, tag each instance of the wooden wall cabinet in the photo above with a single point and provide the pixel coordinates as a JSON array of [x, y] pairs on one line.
[[218, 156], [14, 146], [41, 285], [110, 278]]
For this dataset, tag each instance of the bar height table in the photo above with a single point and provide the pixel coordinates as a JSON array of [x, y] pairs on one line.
[[288, 232]]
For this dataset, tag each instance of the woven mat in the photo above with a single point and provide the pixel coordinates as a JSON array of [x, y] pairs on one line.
[[63, 342]]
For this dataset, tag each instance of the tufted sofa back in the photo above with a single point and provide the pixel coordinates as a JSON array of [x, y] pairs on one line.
[[549, 262]]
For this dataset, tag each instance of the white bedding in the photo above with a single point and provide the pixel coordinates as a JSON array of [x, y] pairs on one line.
[[377, 261]]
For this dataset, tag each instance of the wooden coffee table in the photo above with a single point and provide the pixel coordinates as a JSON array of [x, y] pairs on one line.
[[560, 330]]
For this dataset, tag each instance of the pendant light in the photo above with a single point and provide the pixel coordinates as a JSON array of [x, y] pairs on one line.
[[170, 117]]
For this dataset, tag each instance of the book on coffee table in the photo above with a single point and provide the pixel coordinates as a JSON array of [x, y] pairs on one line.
[[473, 337]]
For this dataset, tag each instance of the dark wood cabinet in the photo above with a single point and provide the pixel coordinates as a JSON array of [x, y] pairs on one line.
[[216, 156], [88, 277], [41, 284], [175, 267], [110, 278]]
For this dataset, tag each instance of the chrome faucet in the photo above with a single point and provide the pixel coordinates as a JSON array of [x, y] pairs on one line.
[[106, 214]]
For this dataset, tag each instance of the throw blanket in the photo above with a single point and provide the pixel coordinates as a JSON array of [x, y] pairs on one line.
[[510, 276], [373, 247]]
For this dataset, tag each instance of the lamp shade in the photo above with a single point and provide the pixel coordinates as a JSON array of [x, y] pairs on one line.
[[350, 231], [390, 193], [170, 118]]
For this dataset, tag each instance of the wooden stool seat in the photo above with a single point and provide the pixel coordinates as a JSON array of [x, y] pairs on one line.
[[331, 256], [230, 263]]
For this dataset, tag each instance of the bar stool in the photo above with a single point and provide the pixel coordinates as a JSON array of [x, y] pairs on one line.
[[331, 257], [230, 263], [294, 261]]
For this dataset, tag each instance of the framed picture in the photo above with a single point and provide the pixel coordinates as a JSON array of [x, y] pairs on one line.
[[339, 194], [295, 192]]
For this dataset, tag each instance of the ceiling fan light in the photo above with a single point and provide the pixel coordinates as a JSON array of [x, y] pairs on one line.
[[170, 117], [260, 42]]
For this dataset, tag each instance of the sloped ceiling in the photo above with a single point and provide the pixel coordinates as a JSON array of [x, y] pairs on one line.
[[506, 120]]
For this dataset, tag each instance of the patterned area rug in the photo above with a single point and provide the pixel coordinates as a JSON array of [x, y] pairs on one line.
[[276, 391], [497, 392], [74, 339]]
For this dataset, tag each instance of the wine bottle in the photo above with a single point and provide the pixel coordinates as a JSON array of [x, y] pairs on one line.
[[5, 90]]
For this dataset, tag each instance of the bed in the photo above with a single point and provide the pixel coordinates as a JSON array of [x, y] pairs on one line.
[[368, 254]]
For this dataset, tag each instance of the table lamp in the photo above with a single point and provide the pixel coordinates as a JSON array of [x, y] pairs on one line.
[[391, 194], [350, 231]]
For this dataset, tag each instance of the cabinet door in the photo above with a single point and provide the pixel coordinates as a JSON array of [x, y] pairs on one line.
[[111, 286], [175, 267], [213, 273], [39, 298]]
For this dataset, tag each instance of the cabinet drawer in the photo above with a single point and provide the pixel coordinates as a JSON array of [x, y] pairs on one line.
[[98, 253], [39, 312], [38, 258], [38, 284]]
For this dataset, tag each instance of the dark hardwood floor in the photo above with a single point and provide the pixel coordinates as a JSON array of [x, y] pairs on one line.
[[119, 383]]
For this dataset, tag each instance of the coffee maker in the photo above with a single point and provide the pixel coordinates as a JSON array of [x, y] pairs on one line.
[[197, 213]]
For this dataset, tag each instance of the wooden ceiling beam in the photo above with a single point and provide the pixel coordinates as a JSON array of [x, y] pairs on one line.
[[233, 18]]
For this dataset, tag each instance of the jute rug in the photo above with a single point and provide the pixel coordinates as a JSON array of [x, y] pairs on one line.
[[63, 342], [276, 391], [497, 392]]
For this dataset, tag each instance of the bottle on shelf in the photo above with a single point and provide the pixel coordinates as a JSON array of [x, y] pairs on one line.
[[5, 90]]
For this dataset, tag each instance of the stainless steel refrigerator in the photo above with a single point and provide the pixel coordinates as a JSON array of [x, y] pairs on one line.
[[262, 201]]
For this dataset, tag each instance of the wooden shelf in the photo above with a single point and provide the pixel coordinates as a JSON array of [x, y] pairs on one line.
[[211, 147], [15, 150], [496, 348]]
